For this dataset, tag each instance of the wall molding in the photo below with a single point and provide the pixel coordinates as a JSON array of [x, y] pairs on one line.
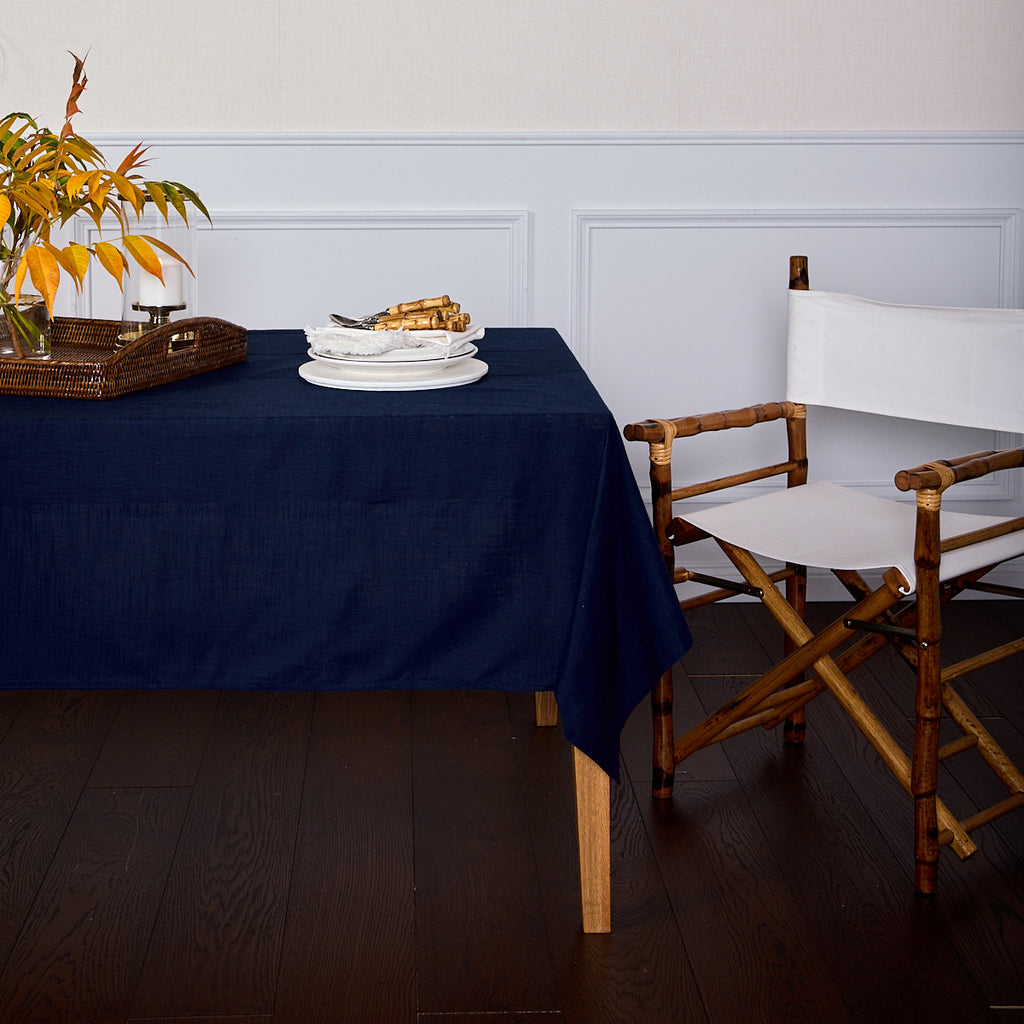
[[867, 138], [515, 224], [586, 223]]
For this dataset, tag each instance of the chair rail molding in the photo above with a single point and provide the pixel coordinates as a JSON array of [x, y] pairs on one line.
[[660, 139]]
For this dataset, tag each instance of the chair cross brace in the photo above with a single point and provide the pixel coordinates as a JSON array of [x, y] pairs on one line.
[[995, 588], [735, 585], [888, 628]]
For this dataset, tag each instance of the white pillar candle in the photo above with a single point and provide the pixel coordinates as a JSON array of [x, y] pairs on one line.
[[170, 293]]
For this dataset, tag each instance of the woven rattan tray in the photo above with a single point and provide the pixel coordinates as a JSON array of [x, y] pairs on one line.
[[86, 362]]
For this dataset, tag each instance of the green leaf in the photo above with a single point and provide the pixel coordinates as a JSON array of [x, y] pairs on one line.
[[178, 202], [193, 198]]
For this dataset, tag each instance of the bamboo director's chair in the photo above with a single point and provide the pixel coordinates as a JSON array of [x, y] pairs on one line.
[[942, 365]]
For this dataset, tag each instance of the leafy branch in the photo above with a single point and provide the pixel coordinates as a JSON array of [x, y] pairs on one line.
[[46, 179]]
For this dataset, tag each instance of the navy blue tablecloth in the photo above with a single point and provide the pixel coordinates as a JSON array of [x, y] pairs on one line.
[[244, 529]]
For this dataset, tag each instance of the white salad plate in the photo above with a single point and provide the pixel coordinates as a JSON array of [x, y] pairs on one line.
[[409, 360], [343, 375]]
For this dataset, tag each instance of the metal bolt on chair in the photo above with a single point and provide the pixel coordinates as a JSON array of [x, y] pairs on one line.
[[941, 365]]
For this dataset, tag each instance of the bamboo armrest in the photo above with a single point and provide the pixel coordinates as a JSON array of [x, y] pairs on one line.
[[652, 431], [945, 472]]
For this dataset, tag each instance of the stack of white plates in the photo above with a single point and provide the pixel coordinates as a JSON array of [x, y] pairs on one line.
[[402, 369]]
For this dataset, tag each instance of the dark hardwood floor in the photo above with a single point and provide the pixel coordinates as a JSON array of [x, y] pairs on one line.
[[263, 858]]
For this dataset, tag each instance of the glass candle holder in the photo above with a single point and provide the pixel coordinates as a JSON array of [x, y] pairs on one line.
[[150, 301]]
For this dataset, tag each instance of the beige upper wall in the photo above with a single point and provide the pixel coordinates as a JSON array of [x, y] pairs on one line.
[[527, 66]]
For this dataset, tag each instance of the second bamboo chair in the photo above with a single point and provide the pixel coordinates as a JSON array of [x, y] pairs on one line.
[[938, 365]]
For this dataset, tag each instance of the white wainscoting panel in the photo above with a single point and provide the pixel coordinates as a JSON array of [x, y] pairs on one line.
[[282, 269]]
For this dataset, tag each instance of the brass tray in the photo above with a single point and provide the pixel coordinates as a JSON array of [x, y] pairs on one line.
[[86, 362]]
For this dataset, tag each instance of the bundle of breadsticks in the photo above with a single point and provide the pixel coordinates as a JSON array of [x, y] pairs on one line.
[[438, 314]]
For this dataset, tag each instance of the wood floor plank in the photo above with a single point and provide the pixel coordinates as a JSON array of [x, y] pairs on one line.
[[979, 901], [231, 1018], [80, 951], [480, 929], [45, 759], [638, 973], [725, 641], [741, 925], [348, 949], [850, 885], [490, 1018], [11, 702], [157, 739], [216, 943]]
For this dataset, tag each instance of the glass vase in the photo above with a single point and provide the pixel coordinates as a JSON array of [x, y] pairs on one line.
[[25, 329]]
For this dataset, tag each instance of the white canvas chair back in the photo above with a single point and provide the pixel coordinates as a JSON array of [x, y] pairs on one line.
[[938, 364]]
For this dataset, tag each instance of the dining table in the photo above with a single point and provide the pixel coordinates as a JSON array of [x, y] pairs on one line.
[[245, 529]]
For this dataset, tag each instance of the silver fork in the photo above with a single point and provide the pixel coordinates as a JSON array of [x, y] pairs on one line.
[[363, 323]]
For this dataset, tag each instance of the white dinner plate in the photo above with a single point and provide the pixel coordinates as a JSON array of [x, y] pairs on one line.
[[341, 375], [418, 360]]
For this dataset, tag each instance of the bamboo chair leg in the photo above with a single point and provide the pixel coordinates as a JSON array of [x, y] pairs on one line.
[[928, 701], [925, 771], [664, 741], [794, 726]]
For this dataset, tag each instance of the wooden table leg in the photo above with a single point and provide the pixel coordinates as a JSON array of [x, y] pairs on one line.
[[545, 708], [593, 824]]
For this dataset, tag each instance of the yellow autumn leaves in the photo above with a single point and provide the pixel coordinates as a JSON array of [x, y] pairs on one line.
[[47, 179]]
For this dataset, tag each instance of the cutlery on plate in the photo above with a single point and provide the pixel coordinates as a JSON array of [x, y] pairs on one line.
[[365, 322], [403, 309]]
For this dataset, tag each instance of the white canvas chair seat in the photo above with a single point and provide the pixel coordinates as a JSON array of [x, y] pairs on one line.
[[832, 527], [945, 365]]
